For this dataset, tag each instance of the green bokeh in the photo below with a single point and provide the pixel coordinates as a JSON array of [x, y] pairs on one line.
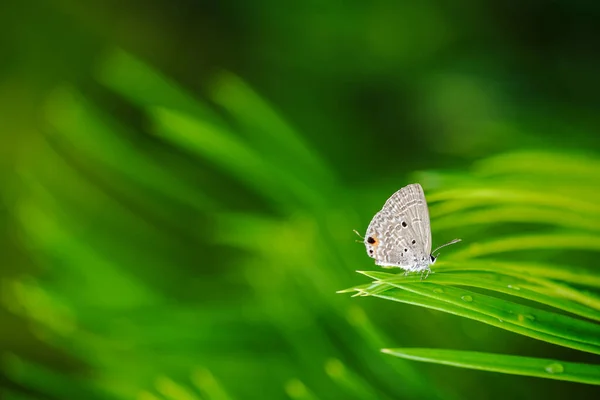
[[180, 181]]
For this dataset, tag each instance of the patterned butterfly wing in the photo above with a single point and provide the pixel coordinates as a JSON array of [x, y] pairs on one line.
[[399, 235]]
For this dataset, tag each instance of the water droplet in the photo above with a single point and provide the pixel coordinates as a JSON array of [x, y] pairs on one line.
[[438, 290], [467, 298], [499, 320], [555, 368], [529, 317], [514, 287]]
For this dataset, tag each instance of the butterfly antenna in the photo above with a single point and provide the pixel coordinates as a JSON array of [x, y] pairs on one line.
[[359, 235], [447, 244]]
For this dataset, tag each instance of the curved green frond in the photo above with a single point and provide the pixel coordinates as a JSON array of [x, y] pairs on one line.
[[506, 364]]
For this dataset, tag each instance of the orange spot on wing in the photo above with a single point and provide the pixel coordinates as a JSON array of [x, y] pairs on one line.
[[374, 242]]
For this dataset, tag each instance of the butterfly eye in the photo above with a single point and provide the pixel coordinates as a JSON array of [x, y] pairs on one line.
[[370, 240]]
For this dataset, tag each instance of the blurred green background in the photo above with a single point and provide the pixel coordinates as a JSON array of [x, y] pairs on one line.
[[180, 180]]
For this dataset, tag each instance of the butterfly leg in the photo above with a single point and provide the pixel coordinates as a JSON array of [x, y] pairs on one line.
[[426, 272]]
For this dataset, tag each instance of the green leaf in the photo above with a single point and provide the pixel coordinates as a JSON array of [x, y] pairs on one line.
[[563, 241], [507, 364], [511, 285], [551, 329]]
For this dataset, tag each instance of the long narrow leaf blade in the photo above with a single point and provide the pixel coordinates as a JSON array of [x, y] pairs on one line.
[[507, 364]]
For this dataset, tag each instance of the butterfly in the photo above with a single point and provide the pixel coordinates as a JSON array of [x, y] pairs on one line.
[[400, 234]]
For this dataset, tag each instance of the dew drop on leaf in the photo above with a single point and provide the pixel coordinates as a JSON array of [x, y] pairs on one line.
[[467, 298], [524, 317], [438, 290], [514, 287], [554, 368]]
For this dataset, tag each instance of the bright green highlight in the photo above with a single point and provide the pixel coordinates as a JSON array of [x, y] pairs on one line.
[[541, 368]]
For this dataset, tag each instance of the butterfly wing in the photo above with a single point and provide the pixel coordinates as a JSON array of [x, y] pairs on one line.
[[388, 243], [399, 235], [418, 215]]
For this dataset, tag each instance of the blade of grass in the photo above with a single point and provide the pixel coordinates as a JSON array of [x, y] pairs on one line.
[[516, 214], [104, 142], [268, 130], [172, 390], [374, 338], [529, 317], [231, 154], [152, 91], [297, 390], [565, 241], [578, 187], [541, 163], [409, 297], [206, 382], [515, 288], [349, 381], [147, 87], [468, 197], [507, 364], [563, 273], [542, 285]]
